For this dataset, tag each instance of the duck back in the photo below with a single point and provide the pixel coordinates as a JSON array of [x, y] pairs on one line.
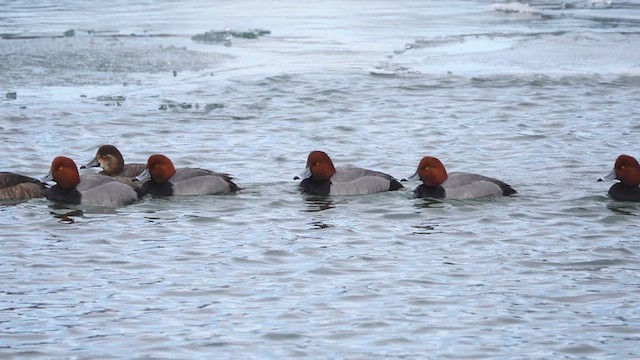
[[127, 174], [362, 186], [105, 191], [131, 170], [351, 181], [462, 185], [193, 181], [95, 190], [20, 187]]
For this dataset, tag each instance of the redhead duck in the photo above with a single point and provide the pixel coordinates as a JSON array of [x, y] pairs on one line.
[[110, 159], [436, 183], [87, 189], [20, 187], [320, 177], [165, 180], [627, 170]]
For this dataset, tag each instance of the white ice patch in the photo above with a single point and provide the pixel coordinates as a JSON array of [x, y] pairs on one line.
[[514, 7]]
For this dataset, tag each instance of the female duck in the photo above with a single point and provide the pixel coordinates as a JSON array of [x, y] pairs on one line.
[[436, 183], [627, 170], [320, 177], [20, 187], [167, 181], [87, 190], [110, 159]]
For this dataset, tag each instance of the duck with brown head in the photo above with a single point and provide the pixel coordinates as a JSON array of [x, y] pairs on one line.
[[166, 180], [321, 177], [110, 159], [91, 189], [438, 184], [627, 170]]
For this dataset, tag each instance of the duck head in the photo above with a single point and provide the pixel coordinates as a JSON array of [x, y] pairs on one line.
[[319, 167], [64, 172], [159, 169], [109, 158], [430, 171]]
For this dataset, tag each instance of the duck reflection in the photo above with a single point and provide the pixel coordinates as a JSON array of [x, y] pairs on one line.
[[64, 214], [427, 203], [628, 209], [319, 225], [67, 214], [318, 203], [425, 229]]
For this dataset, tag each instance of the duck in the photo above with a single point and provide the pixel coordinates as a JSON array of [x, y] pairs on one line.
[[438, 184], [322, 178], [166, 180], [627, 170], [20, 187], [90, 189], [110, 159]]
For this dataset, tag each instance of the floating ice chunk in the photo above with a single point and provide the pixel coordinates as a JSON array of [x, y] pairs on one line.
[[514, 7]]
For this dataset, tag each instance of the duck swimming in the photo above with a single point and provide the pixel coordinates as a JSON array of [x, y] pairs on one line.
[[110, 159], [437, 183], [20, 187], [321, 177], [90, 189], [627, 170], [166, 180]]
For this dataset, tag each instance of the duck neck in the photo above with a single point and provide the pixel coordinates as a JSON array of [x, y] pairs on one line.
[[58, 193], [164, 188], [423, 190]]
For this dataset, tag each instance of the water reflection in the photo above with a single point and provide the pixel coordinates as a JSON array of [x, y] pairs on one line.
[[64, 214], [67, 212], [319, 225], [425, 229], [426, 203], [318, 203], [624, 208], [11, 202]]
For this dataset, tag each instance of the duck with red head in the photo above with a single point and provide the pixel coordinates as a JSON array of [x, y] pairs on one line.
[[166, 180], [110, 159], [321, 177], [627, 170], [19, 187], [438, 184], [91, 189]]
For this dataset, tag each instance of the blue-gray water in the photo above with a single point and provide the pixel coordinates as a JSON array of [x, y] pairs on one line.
[[543, 96]]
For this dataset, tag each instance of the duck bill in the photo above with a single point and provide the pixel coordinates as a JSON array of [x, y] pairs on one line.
[[144, 176], [609, 177], [47, 179], [93, 163], [414, 177], [305, 174]]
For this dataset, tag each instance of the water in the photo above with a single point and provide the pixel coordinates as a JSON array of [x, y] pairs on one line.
[[543, 97]]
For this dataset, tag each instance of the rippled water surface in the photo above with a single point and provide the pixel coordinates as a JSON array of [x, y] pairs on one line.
[[543, 96]]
